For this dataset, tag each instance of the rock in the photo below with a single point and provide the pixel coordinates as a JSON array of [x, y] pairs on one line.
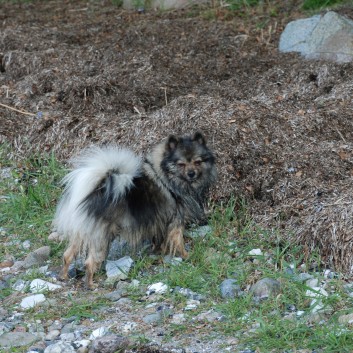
[[304, 276], [178, 319], [210, 316], [68, 337], [192, 304], [255, 252], [19, 285], [157, 288], [37, 257], [325, 37], [188, 293], [52, 335], [110, 344], [26, 244], [172, 260], [119, 269], [265, 287], [99, 332], [115, 296], [40, 286], [229, 288], [316, 292], [162, 313], [54, 236], [32, 301], [152, 318], [117, 249], [199, 232], [345, 319], [60, 347], [17, 339], [312, 283]]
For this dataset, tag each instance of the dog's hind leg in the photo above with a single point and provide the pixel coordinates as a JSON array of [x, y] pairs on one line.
[[175, 242], [93, 262], [69, 254]]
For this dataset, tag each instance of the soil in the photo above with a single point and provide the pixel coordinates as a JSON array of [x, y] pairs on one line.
[[281, 127]]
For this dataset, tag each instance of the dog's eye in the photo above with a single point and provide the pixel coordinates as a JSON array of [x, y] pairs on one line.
[[181, 164], [197, 163]]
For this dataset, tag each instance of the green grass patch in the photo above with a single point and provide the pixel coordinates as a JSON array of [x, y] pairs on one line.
[[320, 4], [29, 193]]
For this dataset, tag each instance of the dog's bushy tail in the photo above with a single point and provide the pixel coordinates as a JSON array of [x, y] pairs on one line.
[[112, 166]]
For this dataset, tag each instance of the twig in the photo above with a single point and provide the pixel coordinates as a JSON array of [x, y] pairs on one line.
[[17, 110]]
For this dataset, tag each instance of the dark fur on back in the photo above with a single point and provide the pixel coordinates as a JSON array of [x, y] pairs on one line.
[[153, 200]]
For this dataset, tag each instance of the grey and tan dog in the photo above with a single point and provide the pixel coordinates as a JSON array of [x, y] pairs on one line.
[[112, 192]]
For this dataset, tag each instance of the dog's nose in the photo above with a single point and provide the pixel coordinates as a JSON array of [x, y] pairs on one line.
[[191, 174]]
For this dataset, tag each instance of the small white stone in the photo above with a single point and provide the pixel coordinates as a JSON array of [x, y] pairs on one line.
[[40, 286], [192, 304], [26, 244], [178, 319], [300, 313], [255, 252], [316, 292], [158, 288], [99, 332], [82, 343], [32, 301]]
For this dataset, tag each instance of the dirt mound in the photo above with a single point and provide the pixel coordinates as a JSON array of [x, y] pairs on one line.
[[281, 126]]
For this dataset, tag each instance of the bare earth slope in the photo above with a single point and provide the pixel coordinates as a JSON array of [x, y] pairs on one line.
[[281, 127]]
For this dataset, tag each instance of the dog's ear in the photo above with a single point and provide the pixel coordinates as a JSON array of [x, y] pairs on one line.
[[198, 137], [172, 143]]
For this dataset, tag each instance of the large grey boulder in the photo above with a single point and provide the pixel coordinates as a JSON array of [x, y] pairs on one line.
[[328, 37]]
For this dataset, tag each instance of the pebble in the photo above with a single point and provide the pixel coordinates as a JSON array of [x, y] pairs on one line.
[[109, 344], [19, 285], [192, 304], [229, 288], [345, 319], [99, 332], [32, 301], [255, 252], [39, 286], [199, 232], [60, 347], [174, 261], [119, 269], [265, 288], [178, 319], [157, 288], [52, 335], [188, 293], [37, 257], [54, 236], [17, 339]]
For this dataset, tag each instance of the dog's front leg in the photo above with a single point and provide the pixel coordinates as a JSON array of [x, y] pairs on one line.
[[175, 241]]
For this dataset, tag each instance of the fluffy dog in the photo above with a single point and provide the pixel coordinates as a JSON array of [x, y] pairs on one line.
[[112, 192]]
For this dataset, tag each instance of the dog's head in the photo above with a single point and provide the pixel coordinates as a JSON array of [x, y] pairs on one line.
[[188, 161]]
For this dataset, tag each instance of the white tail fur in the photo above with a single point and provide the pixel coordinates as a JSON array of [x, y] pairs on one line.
[[90, 169]]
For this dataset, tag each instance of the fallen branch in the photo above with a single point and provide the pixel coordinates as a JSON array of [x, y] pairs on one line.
[[17, 110]]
